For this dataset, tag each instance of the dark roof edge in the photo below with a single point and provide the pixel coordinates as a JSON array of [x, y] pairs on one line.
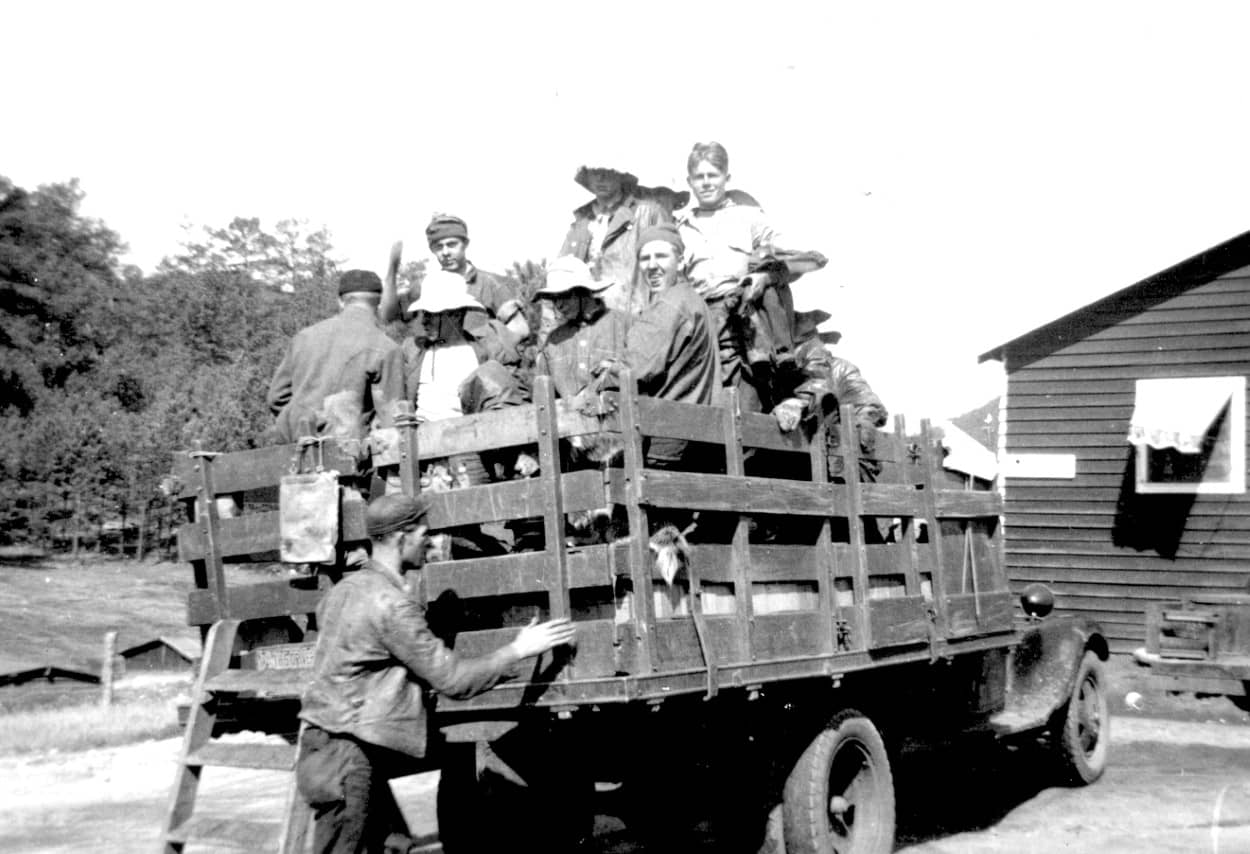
[[1219, 259]]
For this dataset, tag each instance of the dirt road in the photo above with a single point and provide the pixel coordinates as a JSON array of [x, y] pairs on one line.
[[1171, 787]]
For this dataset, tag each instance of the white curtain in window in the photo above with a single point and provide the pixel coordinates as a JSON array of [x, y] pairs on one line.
[[1177, 413]]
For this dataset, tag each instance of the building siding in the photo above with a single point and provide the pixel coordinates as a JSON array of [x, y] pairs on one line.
[[1077, 398]]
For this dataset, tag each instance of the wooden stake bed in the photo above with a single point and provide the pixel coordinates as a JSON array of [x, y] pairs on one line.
[[798, 568]]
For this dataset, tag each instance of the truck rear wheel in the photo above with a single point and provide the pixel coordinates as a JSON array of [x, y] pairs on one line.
[[1082, 728], [839, 799]]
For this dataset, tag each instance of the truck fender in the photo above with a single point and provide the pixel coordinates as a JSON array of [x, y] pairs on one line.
[[1042, 670]]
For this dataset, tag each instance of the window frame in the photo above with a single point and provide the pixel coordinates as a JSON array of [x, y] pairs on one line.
[[1236, 483]]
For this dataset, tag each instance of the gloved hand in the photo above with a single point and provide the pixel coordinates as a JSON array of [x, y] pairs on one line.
[[753, 286], [788, 413], [526, 465]]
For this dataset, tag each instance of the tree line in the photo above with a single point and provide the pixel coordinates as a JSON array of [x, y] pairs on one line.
[[106, 370]]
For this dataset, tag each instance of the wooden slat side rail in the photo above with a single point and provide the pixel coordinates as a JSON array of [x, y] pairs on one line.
[[257, 468], [595, 656], [261, 468], [727, 494], [674, 420], [698, 423], [761, 431], [258, 533], [514, 574], [255, 601], [891, 499], [953, 504]]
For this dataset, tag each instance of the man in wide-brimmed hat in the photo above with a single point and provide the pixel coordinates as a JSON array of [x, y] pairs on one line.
[[579, 332], [461, 362], [604, 231], [452, 337]]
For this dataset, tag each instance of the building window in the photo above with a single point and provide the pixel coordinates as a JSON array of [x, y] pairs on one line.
[[1189, 435]]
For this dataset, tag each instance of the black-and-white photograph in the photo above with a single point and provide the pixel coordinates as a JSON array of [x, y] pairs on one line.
[[792, 428]]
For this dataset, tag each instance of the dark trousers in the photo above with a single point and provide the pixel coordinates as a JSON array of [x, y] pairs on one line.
[[347, 784]]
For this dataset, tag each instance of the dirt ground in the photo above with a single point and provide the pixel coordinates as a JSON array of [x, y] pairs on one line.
[[1178, 780], [1172, 786]]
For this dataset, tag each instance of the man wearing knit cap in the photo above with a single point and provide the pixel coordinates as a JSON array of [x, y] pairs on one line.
[[670, 346], [365, 718], [448, 238], [341, 374]]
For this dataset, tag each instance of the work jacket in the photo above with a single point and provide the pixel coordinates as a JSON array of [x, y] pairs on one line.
[[375, 654], [574, 351], [616, 258], [671, 347], [336, 376], [490, 289]]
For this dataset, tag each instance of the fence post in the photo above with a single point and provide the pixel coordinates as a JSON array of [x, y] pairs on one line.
[[106, 669]]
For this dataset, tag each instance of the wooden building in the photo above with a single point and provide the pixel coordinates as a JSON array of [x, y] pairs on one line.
[[162, 654], [1123, 444]]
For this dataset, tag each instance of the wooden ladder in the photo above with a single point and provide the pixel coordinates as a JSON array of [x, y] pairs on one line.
[[201, 749]]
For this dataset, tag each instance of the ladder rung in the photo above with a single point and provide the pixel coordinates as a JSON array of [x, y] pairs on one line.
[[238, 833], [269, 684], [277, 757]]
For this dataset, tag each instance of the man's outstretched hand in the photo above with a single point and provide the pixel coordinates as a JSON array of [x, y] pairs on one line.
[[537, 638]]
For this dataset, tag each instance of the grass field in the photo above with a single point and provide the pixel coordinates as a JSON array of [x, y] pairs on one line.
[[57, 611], [144, 707]]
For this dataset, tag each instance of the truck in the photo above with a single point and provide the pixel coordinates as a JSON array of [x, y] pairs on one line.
[[832, 608]]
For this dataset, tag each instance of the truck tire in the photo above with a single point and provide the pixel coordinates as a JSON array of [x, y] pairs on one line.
[[839, 799], [1082, 728]]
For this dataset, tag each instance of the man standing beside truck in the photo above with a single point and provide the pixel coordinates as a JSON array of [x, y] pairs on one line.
[[364, 714]]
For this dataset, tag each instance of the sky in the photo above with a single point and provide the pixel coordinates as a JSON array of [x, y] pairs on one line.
[[971, 169]]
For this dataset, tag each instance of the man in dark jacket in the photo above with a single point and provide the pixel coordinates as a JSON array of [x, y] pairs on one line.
[[341, 374], [364, 713], [671, 346]]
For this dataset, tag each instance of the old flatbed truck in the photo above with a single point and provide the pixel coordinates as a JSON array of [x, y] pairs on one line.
[[822, 623]]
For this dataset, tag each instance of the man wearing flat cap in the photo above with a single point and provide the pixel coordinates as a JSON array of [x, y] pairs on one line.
[[364, 713], [341, 374]]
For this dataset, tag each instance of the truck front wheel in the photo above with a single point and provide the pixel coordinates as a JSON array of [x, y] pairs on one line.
[[1082, 728], [839, 799]]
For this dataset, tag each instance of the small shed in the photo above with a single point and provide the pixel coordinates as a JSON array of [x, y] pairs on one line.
[[165, 653], [1122, 441]]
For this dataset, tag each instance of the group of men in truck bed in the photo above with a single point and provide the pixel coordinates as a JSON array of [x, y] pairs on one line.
[[690, 292], [689, 295]]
